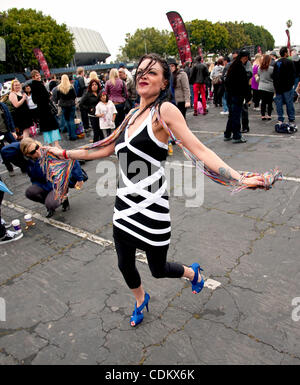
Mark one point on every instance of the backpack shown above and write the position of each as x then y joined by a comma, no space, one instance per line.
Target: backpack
77,88
284,128
200,108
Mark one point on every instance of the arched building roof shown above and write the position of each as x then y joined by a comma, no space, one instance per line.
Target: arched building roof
89,46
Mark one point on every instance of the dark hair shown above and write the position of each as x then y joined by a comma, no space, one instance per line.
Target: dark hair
199,59
164,94
220,62
236,62
91,83
283,51
265,63
101,94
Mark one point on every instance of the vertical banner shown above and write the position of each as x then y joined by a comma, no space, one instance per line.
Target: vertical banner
288,42
43,64
181,36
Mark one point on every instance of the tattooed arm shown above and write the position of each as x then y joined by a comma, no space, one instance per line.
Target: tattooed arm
174,119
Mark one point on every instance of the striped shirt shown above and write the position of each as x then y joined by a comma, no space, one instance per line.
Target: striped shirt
141,213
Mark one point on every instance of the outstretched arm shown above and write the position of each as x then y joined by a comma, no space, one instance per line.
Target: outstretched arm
83,154
175,121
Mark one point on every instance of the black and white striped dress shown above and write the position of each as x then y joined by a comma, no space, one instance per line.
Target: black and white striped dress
141,213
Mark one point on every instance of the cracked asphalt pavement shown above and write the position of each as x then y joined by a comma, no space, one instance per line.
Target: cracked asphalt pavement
67,303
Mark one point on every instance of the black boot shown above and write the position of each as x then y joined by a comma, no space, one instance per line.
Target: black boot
50,213
65,205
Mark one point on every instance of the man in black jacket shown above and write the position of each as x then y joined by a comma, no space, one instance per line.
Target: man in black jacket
284,79
237,87
199,74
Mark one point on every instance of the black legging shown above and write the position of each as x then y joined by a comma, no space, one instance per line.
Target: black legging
157,260
37,194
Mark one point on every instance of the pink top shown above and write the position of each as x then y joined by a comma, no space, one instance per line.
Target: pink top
254,84
116,93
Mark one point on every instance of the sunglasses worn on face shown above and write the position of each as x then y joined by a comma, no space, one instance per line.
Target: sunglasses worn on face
34,151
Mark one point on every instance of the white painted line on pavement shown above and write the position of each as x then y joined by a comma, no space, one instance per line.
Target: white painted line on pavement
141,257
248,134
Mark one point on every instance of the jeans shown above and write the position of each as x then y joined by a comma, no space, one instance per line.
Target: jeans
224,102
235,104
69,115
285,98
297,80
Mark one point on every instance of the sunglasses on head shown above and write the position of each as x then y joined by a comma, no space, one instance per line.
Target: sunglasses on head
34,151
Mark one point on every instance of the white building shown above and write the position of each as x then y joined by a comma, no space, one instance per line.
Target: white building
89,46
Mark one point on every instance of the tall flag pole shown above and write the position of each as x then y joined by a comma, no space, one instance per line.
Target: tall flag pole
288,42
181,36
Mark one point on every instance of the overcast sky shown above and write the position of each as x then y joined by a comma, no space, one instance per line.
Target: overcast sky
113,19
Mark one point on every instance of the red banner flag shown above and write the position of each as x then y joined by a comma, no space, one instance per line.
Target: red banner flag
288,42
181,36
259,49
43,64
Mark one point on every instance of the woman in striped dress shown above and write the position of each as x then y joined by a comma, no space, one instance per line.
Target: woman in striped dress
141,214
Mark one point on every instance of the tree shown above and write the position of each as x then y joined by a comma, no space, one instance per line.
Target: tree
210,37
26,29
145,41
259,36
237,36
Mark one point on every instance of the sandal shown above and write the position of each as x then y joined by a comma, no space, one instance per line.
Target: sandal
196,286
137,315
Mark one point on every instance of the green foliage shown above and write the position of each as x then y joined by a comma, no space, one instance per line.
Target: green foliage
210,37
26,29
237,36
259,36
145,41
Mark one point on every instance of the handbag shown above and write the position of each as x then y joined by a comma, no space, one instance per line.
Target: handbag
53,108
216,80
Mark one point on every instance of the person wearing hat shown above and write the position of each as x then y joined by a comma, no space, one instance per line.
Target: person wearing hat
181,87
274,57
237,87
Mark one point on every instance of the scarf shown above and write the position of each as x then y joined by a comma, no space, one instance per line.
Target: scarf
58,171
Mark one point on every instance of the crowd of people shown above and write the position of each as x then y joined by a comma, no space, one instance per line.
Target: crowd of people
148,108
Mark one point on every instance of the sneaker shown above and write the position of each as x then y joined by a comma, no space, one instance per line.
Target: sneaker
256,109
6,225
227,139
293,127
224,113
11,173
11,236
241,140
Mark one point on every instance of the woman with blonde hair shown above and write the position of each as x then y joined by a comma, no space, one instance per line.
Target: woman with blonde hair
117,92
21,114
41,190
254,81
65,98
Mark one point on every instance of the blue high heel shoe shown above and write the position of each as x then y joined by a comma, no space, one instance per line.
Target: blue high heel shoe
137,315
196,286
